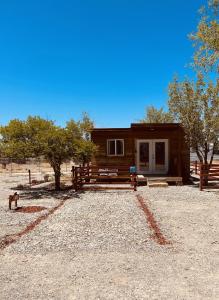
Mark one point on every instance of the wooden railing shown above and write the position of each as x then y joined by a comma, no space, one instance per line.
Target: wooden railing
206,175
103,175
195,167
209,175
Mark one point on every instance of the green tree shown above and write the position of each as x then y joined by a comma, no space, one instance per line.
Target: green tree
86,125
195,103
14,141
206,38
154,115
196,106
38,137
84,147
57,149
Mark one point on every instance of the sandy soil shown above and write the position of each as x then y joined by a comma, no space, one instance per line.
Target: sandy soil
102,245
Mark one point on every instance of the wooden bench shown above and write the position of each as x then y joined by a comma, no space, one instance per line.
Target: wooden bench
13,198
104,175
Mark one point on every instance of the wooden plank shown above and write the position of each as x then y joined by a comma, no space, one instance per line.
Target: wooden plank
168,178
210,172
111,167
105,177
106,188
211,187
107,182
104,172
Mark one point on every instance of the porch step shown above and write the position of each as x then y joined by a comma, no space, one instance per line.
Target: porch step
168,179
157,184
157,179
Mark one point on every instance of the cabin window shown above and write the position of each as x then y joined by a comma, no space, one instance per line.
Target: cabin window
115,147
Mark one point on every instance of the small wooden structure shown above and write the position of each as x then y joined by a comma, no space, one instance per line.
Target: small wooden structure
154,149
13,198
104,176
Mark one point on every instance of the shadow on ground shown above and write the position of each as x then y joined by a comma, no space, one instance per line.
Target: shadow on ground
30,193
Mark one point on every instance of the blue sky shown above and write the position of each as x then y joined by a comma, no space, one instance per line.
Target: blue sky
110,58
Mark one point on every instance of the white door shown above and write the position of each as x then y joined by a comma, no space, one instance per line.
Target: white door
152,156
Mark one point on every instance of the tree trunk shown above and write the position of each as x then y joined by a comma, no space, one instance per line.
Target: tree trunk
205,178
57,171
212,155
199,155
204,164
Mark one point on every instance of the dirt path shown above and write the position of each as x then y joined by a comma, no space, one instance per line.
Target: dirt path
98,245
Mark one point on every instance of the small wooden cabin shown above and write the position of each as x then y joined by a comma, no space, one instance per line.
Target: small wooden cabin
155,149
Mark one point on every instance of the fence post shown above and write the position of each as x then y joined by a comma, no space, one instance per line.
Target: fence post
73,171
29,173
135,182
87,173
196,167
76,180
201,177
73,174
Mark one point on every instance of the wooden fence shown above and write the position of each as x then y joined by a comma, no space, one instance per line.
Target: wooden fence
209,178
104,175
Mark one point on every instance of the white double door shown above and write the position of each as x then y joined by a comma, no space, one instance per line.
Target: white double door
152,156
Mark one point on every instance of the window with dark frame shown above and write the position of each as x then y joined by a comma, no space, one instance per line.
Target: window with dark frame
115,147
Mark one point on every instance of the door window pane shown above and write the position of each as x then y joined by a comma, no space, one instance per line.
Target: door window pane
144,156
159,156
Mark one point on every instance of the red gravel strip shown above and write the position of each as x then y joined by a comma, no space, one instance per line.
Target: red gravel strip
9,239
29,209
157,236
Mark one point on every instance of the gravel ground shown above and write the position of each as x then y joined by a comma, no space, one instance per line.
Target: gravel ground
12,222
98,245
